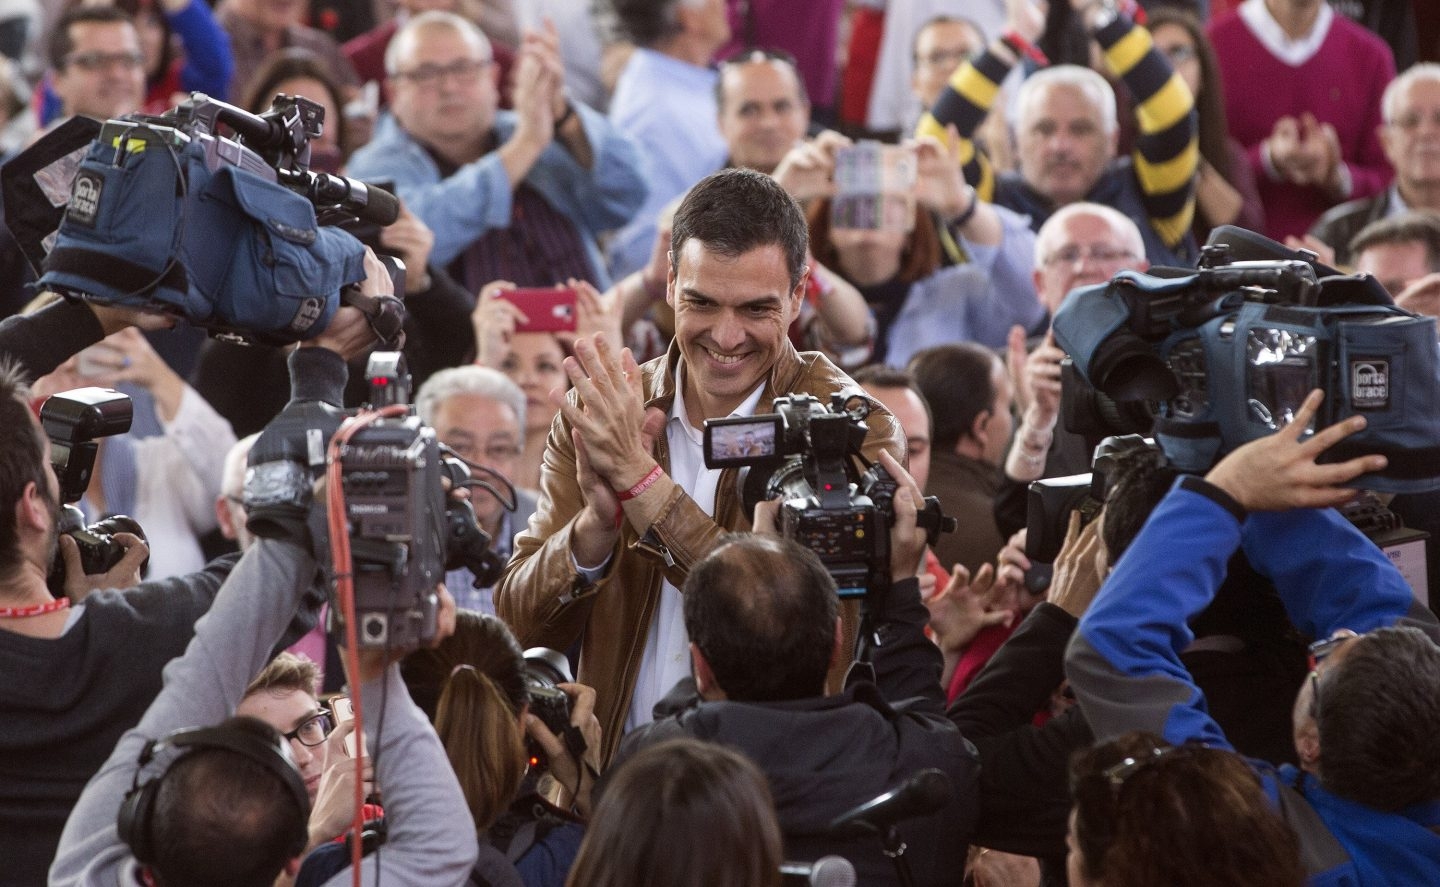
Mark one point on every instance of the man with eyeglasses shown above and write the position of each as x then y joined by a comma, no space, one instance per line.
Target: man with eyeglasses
941,45
480,414
283,696
511,195
1410,136
1366,805
97,66
1080,245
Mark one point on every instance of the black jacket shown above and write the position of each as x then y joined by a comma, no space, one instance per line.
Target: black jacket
823,756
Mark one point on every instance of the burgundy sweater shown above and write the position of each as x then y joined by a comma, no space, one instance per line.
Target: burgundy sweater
1341,85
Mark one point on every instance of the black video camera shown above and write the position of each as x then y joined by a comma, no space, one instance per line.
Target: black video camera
1051,501
1227,352
544,669
73,420
806,455
169,214
405,530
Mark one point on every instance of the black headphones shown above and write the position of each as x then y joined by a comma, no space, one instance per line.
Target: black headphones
273,753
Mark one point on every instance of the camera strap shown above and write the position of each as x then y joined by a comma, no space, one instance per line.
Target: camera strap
385,314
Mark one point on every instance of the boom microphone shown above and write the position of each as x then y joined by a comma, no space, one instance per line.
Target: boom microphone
920,795
827,871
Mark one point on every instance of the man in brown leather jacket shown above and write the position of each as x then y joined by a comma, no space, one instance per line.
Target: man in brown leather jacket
626,503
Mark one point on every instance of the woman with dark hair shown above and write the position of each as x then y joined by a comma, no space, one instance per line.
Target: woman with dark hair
300,72
683,813
1149,813
1225,190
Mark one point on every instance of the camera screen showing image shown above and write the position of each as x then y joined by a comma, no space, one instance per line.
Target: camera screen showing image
740,441
874,188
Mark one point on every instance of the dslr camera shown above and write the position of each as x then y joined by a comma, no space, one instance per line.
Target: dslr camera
73,420
405,529
833,501
544,669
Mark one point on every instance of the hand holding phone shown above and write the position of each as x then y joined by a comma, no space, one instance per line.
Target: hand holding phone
546,310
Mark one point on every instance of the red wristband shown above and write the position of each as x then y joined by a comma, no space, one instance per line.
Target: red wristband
1023,47
640,487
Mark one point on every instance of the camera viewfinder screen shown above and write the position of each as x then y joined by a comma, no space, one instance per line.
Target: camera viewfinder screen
739,441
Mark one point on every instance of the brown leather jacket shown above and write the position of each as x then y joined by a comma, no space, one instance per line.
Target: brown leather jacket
545,601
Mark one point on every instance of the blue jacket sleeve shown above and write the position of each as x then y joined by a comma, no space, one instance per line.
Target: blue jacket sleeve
208,62
1124,660
1328,575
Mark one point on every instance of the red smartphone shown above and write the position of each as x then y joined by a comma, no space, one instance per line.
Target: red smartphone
549,310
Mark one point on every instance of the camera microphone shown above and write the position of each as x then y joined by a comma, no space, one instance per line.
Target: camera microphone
827,871
920,795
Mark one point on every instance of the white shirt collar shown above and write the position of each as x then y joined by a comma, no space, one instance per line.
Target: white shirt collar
1268,31
678,413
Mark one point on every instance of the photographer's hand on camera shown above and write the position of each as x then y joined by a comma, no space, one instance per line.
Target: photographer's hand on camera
907,538
1080,567
613,436
125,573
413,240
576,776
349,333
807,171
1280,471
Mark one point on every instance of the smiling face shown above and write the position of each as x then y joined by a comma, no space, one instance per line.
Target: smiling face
732,315
104,74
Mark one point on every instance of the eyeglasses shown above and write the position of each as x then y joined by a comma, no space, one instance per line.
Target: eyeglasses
945,59
1410,121
1117,775
99,61
1100,255
464,70
1319,652
313,730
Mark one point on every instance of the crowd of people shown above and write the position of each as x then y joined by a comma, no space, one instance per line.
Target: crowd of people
620,220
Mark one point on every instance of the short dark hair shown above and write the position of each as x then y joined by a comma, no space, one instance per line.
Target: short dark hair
644,23
1190,815
62,43
878,375
22,461
1416,225
762,610
1140,479
1378,716
957,380
682,812
736,210
225,819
